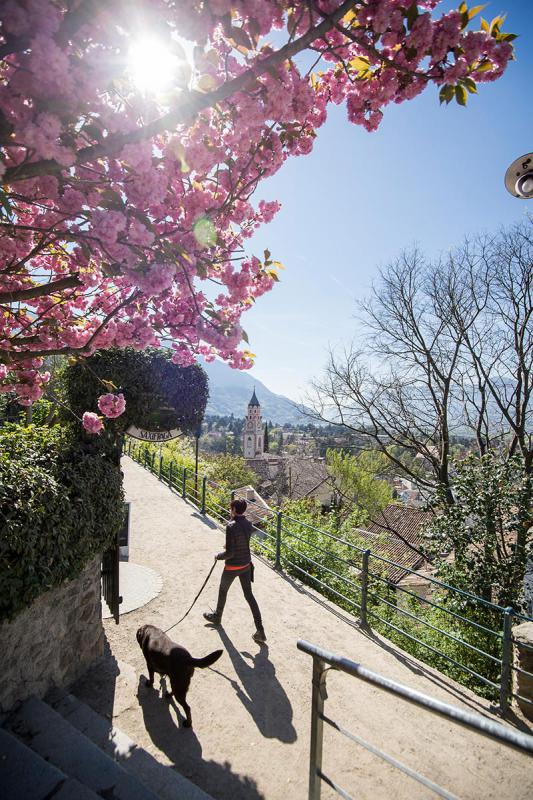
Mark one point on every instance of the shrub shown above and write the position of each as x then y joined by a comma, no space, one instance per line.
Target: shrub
158,393
60,505
231,471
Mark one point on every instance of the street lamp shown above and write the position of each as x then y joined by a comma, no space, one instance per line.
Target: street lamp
519,177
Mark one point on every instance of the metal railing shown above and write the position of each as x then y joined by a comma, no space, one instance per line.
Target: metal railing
463,635
323,661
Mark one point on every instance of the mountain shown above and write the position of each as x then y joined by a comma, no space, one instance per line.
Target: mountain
230,391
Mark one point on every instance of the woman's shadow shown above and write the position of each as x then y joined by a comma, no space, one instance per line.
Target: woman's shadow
260,691
182,747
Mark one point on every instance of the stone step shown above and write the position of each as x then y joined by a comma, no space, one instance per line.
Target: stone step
24,775
46,732
163,780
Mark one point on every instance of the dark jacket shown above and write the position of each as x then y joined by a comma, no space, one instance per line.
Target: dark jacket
237,552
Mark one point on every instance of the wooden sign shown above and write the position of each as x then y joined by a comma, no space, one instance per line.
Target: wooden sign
153,436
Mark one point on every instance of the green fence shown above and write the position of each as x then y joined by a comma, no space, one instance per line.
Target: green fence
462,635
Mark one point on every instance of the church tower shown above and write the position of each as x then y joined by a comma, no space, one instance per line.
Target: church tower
252,445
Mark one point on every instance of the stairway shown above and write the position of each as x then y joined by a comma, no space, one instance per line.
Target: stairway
63,750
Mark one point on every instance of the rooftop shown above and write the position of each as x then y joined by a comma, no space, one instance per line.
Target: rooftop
396,534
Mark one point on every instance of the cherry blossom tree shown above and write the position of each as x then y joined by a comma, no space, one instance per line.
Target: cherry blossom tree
134,134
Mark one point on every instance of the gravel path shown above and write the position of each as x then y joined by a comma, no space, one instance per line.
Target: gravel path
251,711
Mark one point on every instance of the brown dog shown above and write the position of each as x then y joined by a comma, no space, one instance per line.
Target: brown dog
167,658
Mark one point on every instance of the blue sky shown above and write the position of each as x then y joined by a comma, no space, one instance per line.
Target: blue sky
431,174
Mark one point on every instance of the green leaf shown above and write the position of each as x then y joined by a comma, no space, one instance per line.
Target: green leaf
470,85
206,83
475,10
412,15
461,95
446,94
359,63
110,198
240,38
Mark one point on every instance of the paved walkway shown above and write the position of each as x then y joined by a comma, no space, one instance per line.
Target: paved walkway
251,711
138,585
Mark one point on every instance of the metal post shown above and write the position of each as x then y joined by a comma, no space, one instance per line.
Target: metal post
153,462
277,564
197,438
170,468
160,466
204,487
184,483
364,589
317,725
507,655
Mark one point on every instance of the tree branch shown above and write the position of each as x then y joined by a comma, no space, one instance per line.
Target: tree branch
188,108
42,290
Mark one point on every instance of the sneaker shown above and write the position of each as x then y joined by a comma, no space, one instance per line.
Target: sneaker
213,617
259,636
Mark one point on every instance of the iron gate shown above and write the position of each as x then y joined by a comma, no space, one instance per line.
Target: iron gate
110,577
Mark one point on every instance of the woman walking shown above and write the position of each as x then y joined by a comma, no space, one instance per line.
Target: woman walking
238,565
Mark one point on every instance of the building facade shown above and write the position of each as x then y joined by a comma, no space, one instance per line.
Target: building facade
252,445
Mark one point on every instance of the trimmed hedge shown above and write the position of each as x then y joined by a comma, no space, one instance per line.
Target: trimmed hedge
158,393
60,505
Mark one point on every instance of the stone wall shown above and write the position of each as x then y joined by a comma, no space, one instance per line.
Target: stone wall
54,641
523,655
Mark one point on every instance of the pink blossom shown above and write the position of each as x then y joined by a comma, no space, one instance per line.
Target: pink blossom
112,405
92,423
111,210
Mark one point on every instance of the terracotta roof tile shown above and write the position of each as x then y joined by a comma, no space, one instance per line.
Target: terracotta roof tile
396,534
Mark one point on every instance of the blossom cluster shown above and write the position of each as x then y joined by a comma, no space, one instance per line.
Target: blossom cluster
92,423
120,206
112,405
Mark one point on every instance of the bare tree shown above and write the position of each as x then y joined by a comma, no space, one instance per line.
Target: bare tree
498,338
398,392
448,351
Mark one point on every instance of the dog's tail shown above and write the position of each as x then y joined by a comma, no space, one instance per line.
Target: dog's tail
206,661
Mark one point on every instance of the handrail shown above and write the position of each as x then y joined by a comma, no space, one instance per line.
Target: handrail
211,498
447,586
323,660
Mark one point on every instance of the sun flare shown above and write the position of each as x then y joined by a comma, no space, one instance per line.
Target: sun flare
154,68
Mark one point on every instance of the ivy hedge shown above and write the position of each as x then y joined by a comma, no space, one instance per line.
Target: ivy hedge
60,505
159,394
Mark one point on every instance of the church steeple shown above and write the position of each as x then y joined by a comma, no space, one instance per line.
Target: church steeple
253,442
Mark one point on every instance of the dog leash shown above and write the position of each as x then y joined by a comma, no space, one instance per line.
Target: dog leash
204,584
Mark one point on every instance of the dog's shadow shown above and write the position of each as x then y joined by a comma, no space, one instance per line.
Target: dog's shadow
260,691
163,721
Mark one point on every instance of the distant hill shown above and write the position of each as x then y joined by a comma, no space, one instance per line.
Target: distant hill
230,391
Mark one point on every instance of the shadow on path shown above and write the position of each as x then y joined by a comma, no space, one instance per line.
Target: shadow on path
205,520
260,691
183,748
411,663
97,686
